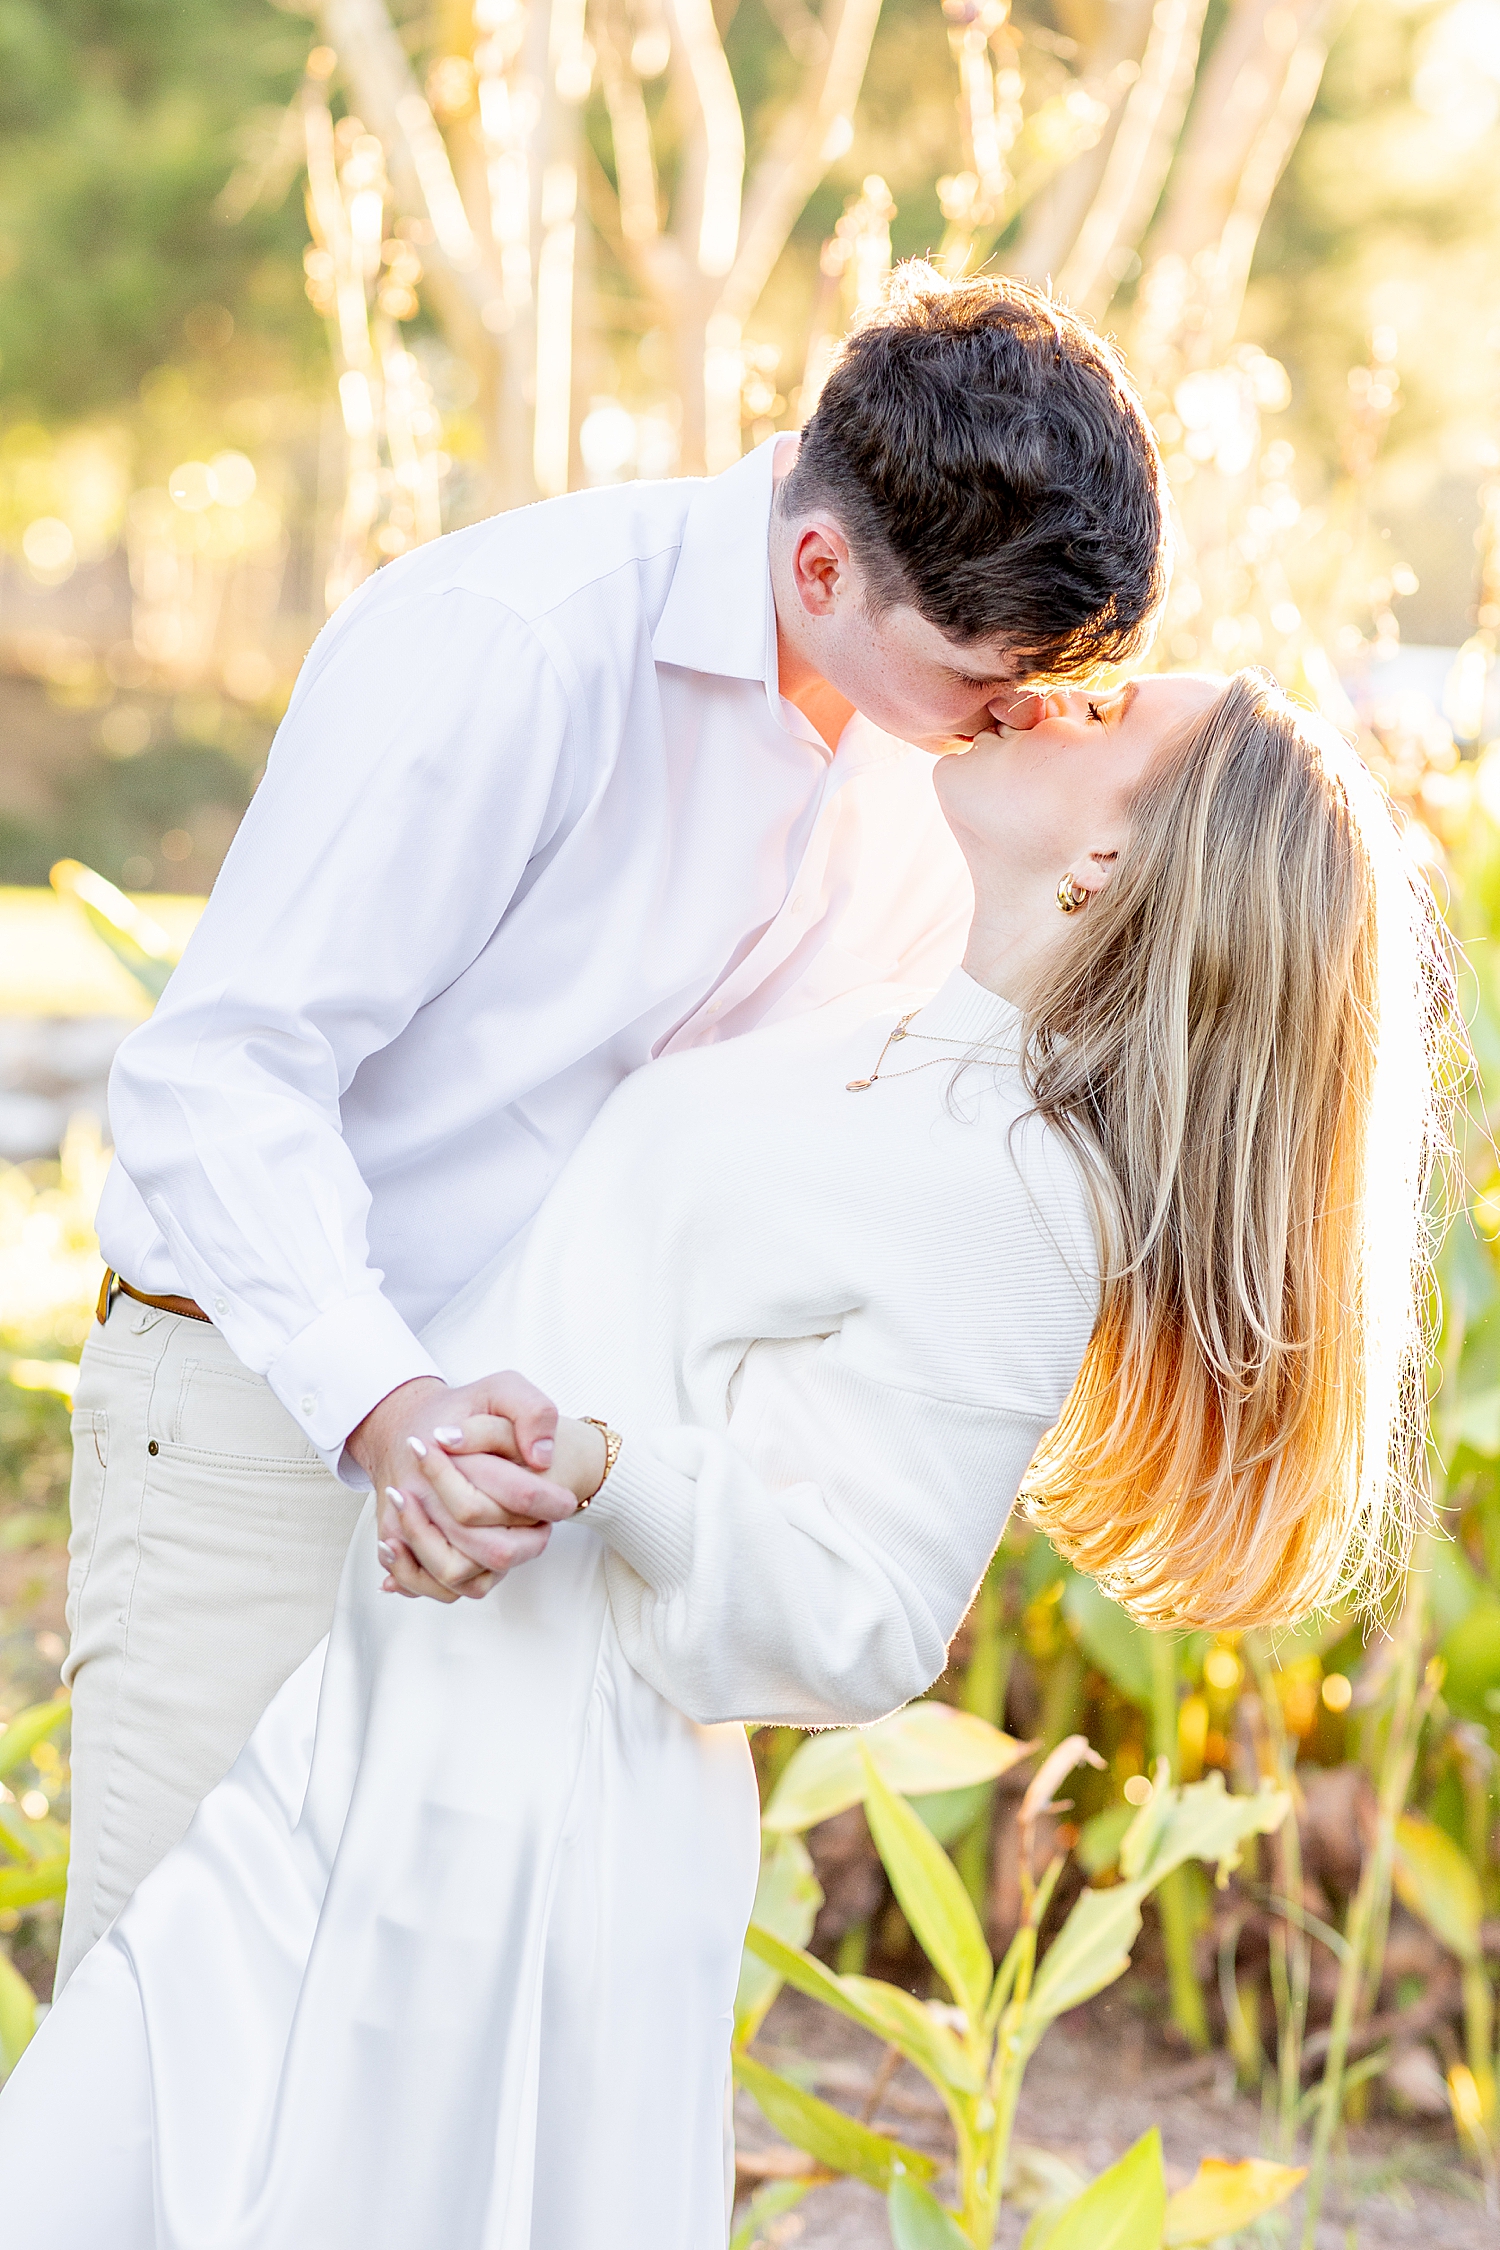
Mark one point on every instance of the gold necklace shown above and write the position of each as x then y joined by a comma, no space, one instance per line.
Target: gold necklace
902,1031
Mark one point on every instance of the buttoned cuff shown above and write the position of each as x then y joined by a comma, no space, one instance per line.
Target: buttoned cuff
644,1512
342,1364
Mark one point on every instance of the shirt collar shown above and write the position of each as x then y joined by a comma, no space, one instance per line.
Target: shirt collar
719,616
969,1014
718,612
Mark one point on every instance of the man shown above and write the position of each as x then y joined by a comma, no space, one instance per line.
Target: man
626,772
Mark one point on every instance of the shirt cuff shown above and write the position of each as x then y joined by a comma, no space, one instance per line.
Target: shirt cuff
339,1366
644,1512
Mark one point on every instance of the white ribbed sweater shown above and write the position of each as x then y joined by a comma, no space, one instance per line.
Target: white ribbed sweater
831,1327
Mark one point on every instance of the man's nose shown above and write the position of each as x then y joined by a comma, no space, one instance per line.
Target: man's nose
1022,711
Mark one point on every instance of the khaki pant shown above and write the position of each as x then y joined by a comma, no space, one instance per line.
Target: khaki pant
207,1544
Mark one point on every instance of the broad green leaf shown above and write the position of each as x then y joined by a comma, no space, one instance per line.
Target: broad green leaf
923,1751
1036,2179
805,1973
26,1730
27,1839
1201,1821
952,1812
910,2024
1471,1652
931,1894
787,1898
919,2222
17,2014
1435,1881
1090,1950
838,2141
1113,1643
1098,1846
766,2204
131,935
1124,2209
883,2009
24,1886
1224,2197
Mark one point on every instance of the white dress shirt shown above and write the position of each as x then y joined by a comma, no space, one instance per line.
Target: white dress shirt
537,812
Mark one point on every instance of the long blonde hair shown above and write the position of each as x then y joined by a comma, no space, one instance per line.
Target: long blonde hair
1245,1046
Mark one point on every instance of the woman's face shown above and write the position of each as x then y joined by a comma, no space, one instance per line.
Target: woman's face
1031,805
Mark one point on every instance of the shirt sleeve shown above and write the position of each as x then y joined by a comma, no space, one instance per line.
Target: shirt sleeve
421,762
810,1566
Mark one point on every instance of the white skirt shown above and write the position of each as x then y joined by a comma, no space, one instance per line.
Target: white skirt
446,1962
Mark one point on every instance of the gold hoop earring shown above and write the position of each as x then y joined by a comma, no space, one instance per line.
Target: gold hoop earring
1070,896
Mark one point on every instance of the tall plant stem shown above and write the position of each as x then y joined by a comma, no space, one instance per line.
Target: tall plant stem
1291,1951
1173,1898
985,1684
1411,1700
1005,2080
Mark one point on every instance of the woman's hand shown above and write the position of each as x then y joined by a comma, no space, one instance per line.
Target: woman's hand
441,1536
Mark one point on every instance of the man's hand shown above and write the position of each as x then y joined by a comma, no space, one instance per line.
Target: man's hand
509,1429
422,1558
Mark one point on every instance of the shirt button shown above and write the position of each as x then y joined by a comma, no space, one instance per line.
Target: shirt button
308,1403
219,1305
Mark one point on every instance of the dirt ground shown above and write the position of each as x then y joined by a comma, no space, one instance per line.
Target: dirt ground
1099,2080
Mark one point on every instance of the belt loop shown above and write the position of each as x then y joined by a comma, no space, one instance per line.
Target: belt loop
106,1295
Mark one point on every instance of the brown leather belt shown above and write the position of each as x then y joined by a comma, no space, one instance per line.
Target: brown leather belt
184,1306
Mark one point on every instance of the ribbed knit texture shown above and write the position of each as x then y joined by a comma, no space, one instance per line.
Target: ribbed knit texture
831,1328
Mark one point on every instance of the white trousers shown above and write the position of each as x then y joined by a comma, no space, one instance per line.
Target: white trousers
205,1555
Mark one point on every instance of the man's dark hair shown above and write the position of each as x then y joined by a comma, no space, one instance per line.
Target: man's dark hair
991,464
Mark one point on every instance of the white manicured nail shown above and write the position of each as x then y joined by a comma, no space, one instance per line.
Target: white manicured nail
394,1498
418,1448
448,1435
386,1554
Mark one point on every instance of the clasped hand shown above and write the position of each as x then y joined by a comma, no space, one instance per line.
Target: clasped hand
470,1480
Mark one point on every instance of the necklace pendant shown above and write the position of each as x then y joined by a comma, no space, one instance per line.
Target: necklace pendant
859,1085
900,1032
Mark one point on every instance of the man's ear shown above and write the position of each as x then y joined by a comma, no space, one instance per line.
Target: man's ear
821,567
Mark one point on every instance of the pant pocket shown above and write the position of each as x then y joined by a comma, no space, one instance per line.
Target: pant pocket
90,1427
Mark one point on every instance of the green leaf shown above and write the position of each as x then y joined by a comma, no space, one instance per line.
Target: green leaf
787,1898
27,1839
24,1886
1090,1950
1201,1821
132,937
1471,1653
931,1894
837,2141
766,2204
17,2014
908,2023
881,2009
1124,2209
1099,1841
925,1750
27,1729
1222,2198
1113,1643
951,1813
919,2222
1435,1881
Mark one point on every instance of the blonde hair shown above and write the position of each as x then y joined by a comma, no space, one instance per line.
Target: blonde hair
1245,1048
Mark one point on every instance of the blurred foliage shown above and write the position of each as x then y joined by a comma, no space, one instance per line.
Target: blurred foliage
119,126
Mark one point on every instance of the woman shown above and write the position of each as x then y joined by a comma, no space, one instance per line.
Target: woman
449,1957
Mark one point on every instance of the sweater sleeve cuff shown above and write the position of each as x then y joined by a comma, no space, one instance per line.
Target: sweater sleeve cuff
343,1363
644,1512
